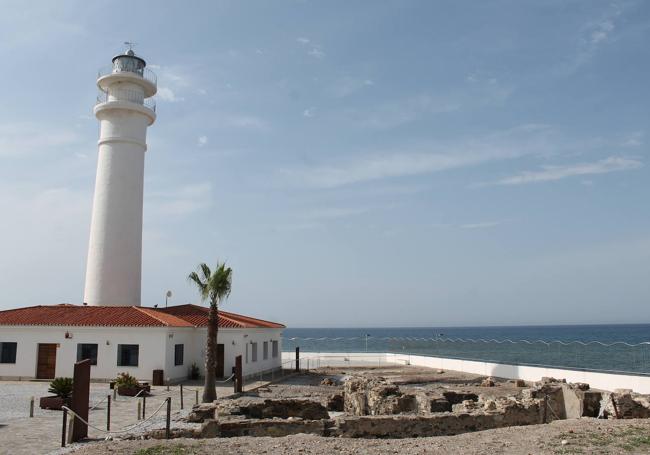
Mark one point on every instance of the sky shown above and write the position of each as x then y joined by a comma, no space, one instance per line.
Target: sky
365,163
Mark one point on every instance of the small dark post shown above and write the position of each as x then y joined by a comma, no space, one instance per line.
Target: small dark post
297,359
238,382
80,399
63,428
31,407
108,413
144,405
169,413
181,396
545,406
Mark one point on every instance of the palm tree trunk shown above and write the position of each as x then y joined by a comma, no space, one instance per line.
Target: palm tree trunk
209,387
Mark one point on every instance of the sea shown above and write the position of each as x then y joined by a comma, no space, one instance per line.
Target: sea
616,348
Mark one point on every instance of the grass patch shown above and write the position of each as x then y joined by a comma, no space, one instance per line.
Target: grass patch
165,450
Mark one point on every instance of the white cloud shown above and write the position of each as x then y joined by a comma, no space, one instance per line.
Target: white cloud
243,121
303,40
514,143
602,31
203,140
309,112
482,225
316,52
180,201
26,138
167,94
551,173
633,140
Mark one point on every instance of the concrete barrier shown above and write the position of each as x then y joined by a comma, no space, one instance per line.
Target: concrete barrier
598,380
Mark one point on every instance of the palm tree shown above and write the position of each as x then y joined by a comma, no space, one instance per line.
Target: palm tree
215,287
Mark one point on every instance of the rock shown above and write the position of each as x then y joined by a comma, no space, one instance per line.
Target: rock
441,371
439,405
519,383
329,382
580,386
564,442
202,412
490,405
336,403
487,382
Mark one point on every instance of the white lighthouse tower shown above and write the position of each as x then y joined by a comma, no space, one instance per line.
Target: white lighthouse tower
124,110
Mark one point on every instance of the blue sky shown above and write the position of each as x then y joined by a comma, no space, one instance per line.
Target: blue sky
395,163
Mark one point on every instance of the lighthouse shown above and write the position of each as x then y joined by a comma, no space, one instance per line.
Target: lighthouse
125,110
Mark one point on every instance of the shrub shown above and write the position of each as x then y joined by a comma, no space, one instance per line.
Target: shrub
126,380
61,387
193,372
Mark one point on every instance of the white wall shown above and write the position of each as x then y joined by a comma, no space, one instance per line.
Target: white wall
156,350
235,342
151,354
604,381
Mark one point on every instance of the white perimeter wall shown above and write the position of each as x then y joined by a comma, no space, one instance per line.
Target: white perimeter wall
156,350
604,381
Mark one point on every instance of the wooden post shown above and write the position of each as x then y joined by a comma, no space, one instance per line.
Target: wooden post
31,407
115,392
80,399
63,428
196,396
181,396
238,382
139,409
169,413
297,359
144,406
108,413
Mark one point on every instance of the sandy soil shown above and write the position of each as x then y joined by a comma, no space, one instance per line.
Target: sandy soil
584,436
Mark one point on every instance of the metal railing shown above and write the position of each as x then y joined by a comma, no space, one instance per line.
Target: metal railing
132,96
144,73
611,357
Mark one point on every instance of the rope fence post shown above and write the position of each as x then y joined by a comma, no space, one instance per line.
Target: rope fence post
108,413
31,407
169,413
144,405
181,396
63,427
139,409
196,396
114,392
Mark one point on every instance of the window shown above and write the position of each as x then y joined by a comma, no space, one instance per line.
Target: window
254,351
87,351
265,350
178,354
8,352
127,355
274,348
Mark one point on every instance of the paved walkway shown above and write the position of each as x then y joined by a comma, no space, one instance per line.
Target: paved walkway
20,434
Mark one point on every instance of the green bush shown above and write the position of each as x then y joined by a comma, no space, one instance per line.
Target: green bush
61,387
126,380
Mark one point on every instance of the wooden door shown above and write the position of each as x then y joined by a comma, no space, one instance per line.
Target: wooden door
220,357
46,365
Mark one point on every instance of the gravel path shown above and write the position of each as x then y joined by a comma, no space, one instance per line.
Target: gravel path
584,436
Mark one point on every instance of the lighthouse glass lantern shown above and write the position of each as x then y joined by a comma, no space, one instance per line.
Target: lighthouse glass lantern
128,62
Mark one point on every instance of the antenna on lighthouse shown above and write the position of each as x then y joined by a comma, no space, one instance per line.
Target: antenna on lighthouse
131,45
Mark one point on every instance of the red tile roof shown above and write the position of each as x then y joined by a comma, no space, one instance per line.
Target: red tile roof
132,316
198,316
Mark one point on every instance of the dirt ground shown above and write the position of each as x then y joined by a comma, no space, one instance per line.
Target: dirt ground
583,436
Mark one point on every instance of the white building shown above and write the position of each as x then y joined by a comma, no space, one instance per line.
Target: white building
44,342
111,328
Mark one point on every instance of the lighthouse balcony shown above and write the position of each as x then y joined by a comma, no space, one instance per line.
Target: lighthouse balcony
144,73
125,95
141,76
